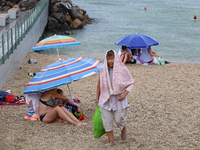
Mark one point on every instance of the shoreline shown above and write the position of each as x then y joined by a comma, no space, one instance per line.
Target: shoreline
164,110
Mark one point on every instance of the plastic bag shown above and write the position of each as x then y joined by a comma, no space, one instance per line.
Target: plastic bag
98,124
160,61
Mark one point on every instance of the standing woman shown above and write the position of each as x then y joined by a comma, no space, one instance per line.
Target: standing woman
48,113
114,84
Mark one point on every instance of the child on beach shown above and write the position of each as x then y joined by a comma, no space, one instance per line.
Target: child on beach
114,84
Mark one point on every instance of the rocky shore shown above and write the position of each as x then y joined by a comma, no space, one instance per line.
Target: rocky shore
63,14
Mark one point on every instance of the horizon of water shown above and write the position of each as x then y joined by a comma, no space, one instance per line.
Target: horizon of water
169,22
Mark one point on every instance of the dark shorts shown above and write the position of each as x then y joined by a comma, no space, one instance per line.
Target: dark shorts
42,116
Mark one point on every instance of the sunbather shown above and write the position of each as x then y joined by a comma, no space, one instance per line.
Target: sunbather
48,113
125,54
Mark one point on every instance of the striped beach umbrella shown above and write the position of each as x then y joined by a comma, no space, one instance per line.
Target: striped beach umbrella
55,42
61,73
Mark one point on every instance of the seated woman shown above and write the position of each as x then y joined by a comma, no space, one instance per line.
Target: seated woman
125,54
147,56
48,113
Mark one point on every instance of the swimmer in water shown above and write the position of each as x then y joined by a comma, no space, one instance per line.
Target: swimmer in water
195,18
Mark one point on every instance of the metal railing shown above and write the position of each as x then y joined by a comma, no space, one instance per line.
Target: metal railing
10,39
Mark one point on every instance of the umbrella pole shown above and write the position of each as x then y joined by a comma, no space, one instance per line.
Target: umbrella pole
58,54
70,92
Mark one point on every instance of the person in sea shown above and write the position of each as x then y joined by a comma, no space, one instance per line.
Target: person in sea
48,113
114,83
195,18
125,54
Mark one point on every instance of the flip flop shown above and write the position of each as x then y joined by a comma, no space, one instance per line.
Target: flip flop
109,144
123,136
22,98
17,98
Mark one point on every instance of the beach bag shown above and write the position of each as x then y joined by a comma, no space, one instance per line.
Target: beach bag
98,124
160,61
10,98
75,111
71,107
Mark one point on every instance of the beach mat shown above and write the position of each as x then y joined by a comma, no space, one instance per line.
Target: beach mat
15,103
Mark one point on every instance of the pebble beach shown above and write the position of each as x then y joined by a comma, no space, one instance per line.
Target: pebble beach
164,112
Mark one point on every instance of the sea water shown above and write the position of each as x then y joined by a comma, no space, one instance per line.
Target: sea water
168,21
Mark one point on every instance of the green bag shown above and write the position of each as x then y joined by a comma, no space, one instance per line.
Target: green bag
160,61
98,124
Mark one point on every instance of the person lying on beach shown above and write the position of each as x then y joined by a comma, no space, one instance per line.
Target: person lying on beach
114,83
125,54
48,113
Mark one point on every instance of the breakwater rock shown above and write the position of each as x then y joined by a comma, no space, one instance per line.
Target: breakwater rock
63,14
5,5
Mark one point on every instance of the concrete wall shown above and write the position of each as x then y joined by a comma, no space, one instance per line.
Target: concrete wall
15,59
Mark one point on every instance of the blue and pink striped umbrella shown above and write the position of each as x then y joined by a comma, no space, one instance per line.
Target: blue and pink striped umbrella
55,42
61,73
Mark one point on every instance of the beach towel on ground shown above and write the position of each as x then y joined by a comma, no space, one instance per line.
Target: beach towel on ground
122,79
15,103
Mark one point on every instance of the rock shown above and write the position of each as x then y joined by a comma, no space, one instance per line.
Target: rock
69,19
3,3
16,6
31,4
67,2
83,12
66,33
10,4
56,7
52,23
6,8
64,27
59,27
17,1
60,17
23,3
28,4
54,1
75,13
88,20
64,8
76,24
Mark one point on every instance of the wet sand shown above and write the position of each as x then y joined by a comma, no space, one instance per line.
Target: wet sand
164,112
